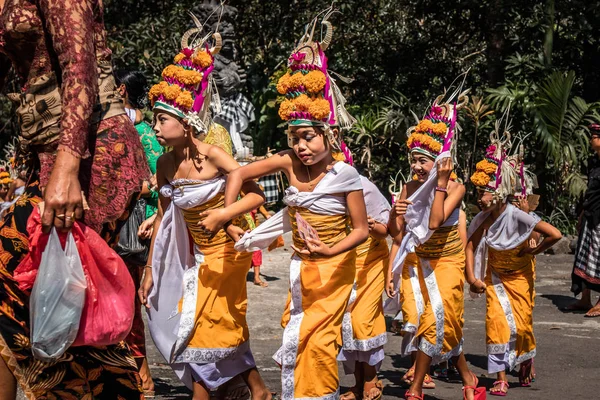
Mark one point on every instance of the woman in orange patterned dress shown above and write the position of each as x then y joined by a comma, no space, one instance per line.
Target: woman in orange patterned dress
75,132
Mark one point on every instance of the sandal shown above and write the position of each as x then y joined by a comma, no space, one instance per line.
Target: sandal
352,394
478,393
500,388
409,376
378,385
149,394
409,396
525,373
261,284
428,383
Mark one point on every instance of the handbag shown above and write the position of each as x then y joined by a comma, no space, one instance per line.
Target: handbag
130,247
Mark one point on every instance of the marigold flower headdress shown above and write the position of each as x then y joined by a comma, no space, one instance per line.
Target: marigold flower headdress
495,173
434,133
312,97
187,86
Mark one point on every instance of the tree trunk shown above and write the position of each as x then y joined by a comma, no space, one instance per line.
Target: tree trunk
549,37
494,37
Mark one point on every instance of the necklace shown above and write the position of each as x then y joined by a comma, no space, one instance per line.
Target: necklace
310,183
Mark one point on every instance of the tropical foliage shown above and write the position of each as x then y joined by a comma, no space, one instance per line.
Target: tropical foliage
539,57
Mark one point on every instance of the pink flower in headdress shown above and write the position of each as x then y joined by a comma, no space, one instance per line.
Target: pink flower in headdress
187,52
347,153
437,110
297,57
490,150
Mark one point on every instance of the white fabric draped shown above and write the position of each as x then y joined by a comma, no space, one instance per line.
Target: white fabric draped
416,218
342,178
378,207
172,262
511,229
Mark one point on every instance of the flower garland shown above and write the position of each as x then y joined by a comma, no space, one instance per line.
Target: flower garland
312,82
480,179
315,107
429,135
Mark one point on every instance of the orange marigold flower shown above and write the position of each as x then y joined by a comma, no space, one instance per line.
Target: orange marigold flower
319,109
302,102
480,178
189,77
439,129
170,71
295,80
424,125
156,90
314,81
285,109
202,58
435,146
185,100
178,58
486,166
284,83
453,176
171,92
337,156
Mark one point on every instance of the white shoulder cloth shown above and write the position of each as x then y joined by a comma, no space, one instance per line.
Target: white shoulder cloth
416,218
342,178
171,259
511,229
378,207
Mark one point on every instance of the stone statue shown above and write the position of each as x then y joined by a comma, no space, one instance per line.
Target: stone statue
236,111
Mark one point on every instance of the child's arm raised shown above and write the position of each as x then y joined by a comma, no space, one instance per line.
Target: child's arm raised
448,195
360,229
396,222
253,198
235,180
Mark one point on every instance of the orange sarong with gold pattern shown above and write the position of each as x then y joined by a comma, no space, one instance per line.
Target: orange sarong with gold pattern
509,308
442,277
320,289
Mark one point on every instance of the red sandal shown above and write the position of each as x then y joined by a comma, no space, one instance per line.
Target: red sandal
409,396
526,372
499,391
478,393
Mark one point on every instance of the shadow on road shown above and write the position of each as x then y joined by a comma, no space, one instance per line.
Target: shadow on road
165,389
250,277
562,301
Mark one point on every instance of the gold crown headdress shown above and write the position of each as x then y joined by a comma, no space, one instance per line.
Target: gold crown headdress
312,97
496,173
187,86
435,133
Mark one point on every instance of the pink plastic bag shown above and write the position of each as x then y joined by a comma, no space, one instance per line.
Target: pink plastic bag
109,302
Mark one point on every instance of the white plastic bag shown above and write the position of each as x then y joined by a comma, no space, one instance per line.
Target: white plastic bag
57,299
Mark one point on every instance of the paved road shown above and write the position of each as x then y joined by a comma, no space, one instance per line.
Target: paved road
568,345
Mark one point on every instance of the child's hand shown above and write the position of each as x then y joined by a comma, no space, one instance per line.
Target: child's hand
526,250
146,228
235,232
314,247
390,290
478,286
401,206
371,223
212,220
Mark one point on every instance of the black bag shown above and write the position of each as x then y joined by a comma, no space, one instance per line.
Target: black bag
130,247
